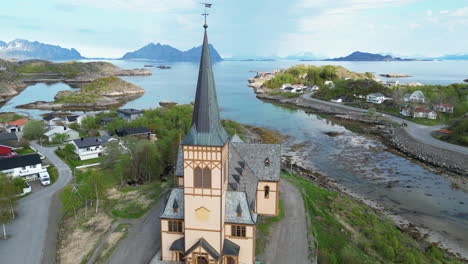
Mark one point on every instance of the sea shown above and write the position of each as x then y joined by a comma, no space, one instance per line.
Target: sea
426,197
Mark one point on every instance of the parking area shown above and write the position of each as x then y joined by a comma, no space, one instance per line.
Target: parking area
36,186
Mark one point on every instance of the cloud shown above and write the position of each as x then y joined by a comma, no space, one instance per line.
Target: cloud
462,12
444,11
135,5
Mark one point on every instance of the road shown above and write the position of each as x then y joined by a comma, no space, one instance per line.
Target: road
33,233
417,131
289,241
143,239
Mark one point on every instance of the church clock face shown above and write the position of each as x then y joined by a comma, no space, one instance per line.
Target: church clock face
202,213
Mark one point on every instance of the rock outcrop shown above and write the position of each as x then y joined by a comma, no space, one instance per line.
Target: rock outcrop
394,75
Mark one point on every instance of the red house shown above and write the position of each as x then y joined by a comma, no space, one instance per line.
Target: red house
6,152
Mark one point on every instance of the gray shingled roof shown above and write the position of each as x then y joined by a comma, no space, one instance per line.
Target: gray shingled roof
178,245
241,177
206,127
206,246
20,161
90,141
129,111
168,213
255,155
233,200
230,248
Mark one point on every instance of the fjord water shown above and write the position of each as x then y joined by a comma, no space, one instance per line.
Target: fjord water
360,163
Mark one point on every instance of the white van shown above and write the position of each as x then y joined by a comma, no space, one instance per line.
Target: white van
44,178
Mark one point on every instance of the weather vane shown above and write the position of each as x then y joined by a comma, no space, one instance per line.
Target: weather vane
206,13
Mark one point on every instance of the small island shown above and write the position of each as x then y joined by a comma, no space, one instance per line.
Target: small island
99,94
394,75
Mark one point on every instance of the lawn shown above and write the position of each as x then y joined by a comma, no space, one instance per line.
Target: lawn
24,151
348,231
72,159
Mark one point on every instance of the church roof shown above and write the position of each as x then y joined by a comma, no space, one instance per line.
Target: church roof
206,246
235,200
206,127
178,245
230,248
176,196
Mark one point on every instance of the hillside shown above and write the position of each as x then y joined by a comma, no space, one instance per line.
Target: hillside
24,49
364,56
169,53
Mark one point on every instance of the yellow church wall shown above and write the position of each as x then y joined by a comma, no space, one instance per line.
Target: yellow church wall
267,205
247,244
167,238
212,237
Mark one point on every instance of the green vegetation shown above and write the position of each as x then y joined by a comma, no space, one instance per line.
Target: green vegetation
10,117
72,159
265,226
71,69
24,151
459,133
33,129
8,191
310,75
53,173
350,232
349,88
284,94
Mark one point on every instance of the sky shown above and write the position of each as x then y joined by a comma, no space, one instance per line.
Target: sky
244,28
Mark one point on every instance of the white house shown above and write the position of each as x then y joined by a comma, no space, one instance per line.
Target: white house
392,83
70,119
376,98
51,120
80,118
329,83
443,108
424,112
129,114
70,133
16,126
90,148
406,111
416,96
25,166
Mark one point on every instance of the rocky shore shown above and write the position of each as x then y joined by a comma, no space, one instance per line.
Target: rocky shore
394,75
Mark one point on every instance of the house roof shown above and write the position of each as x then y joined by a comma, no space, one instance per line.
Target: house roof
177,194
230,248
417,94
178,245
206,246
444,131
19,122
8,137
132,131
71,118
58,130
107,118
377,94
235,199
20,161
48,117
129,111
90,141
206,129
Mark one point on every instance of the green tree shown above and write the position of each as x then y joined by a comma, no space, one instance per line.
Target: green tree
90,122
112,152
94,187
70,199
371,112
69,148
7,200
59,138
34,129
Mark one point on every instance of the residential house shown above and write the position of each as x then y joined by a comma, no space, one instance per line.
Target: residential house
70,119
329,83
104,121
69,133
406,111
417,97
16,126
392,83
223,184
443,108
52,120
129,114
313,88
8,139
79,119
6,151
424,112
376,98
142,132
92,147
26,166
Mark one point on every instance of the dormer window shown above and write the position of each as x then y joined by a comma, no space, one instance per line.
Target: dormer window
175,206
239,210
267,192
267,162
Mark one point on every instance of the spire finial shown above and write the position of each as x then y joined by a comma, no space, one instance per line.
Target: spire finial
206,13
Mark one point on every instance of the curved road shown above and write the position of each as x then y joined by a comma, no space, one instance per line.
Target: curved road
33,232
419,132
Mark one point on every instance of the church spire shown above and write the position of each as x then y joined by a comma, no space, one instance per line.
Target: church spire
206,127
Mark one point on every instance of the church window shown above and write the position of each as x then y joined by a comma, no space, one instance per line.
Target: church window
267,191
267,162
175,226
206,177
238,231
231,260
197,177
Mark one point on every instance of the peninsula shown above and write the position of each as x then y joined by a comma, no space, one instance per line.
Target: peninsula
15,76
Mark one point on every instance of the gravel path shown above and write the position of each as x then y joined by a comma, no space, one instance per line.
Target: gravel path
417,131
34,232
289,241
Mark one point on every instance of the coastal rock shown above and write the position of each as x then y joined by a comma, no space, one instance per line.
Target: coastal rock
412,84
394,75
466,80
167,103
100,104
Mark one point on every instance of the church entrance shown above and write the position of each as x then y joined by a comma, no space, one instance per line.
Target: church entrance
202,260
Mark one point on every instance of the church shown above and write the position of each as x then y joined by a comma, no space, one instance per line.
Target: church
222,185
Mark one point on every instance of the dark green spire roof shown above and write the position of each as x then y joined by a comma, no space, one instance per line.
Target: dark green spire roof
206,127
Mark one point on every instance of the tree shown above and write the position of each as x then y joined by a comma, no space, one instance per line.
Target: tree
34,129
111,154
397,96
94,187
90,122
59,138
70,199
7,200
371,112
69,148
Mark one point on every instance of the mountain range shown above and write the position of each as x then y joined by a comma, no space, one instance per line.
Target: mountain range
364,56
168,53
24,49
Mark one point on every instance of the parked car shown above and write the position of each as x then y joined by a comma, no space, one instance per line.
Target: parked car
44,178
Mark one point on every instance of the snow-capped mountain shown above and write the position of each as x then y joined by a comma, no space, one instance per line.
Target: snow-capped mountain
24,49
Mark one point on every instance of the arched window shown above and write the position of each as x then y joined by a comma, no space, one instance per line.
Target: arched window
206,177
197,177
231,260
267,191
